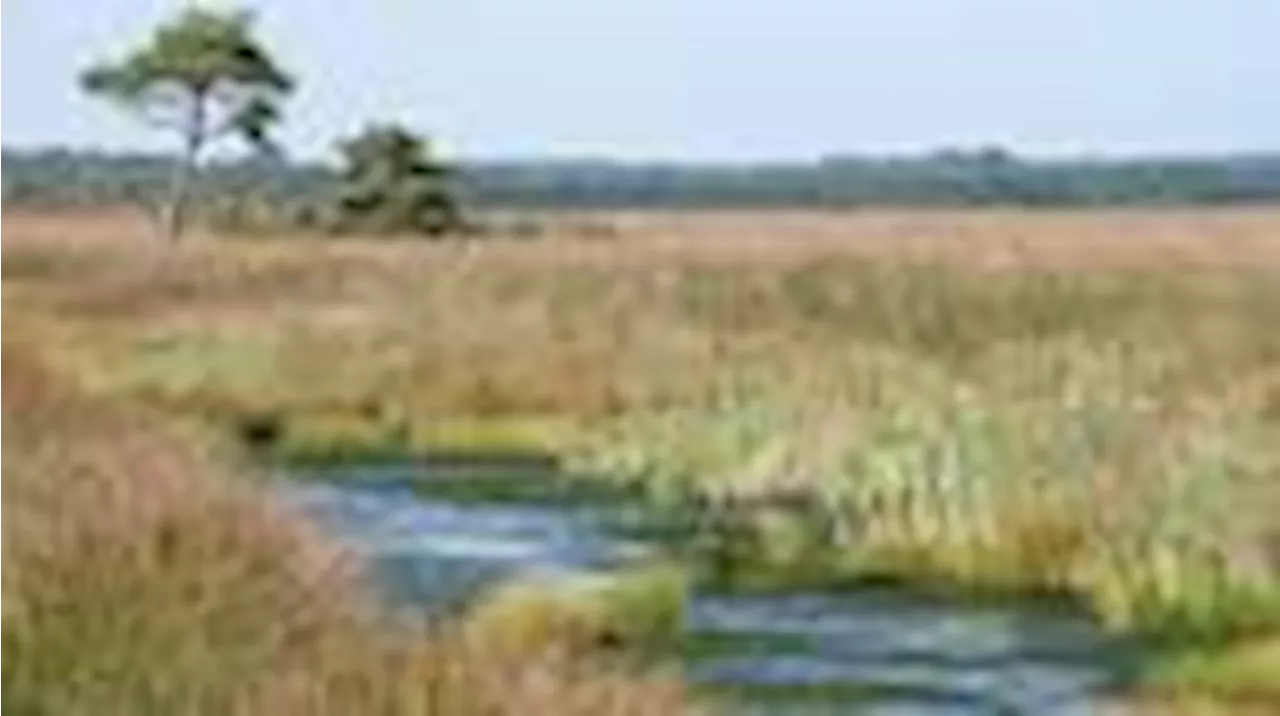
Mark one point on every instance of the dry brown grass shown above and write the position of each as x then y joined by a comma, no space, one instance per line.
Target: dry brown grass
988,333
385,337
143,577
1236,236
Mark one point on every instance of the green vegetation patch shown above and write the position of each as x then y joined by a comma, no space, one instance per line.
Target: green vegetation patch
640,608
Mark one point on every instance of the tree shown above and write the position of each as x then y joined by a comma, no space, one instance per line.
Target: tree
391,182
204,75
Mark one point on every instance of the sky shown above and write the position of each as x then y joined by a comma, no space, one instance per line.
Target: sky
707,79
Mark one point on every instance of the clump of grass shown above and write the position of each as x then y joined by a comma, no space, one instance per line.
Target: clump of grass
1159,524
1247,669
510,433
639,608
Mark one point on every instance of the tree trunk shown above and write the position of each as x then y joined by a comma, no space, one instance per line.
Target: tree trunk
173,214
173,218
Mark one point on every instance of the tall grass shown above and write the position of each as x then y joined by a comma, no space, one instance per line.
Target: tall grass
141,578
1087,404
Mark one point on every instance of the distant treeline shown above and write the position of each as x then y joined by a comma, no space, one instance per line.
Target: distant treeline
61,178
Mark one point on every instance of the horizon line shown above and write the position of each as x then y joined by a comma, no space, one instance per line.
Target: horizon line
623,159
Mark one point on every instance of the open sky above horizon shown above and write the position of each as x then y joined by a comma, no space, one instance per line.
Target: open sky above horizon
709,79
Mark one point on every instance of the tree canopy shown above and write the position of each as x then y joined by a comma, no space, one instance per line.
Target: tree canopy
204,75
390,182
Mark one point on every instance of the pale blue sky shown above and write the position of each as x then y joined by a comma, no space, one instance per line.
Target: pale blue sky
729,79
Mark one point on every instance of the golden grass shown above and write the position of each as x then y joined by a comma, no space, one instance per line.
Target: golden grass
141,577
635,609
1083,401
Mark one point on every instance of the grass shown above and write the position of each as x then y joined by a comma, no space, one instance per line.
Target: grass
639,609
143,577
1080,403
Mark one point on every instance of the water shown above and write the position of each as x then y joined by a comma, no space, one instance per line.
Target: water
872,651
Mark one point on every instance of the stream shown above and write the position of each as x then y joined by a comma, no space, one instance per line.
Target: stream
866,650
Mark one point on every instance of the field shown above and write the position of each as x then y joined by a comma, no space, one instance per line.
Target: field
1085,404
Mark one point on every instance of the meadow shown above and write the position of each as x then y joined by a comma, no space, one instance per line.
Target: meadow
1007,403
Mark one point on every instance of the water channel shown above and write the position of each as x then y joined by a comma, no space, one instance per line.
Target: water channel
866,650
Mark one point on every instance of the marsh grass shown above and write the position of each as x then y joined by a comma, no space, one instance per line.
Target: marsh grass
1085,404
639,609
142,578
